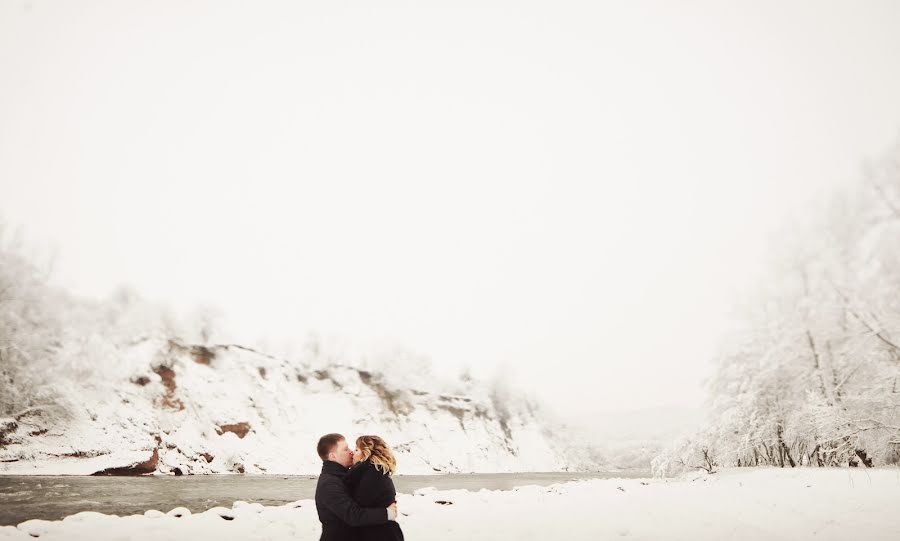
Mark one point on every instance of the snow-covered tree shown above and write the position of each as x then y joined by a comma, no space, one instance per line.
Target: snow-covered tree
812,376
32,317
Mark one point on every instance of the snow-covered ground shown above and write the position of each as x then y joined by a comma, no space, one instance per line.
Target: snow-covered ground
786,504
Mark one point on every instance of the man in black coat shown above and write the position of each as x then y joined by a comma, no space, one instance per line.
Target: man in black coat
338,513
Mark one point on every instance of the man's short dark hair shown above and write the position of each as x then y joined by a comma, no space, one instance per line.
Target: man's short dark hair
327,444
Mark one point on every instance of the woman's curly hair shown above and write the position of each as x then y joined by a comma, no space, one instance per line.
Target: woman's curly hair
377,450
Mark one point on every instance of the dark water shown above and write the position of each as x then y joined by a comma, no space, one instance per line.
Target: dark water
54,497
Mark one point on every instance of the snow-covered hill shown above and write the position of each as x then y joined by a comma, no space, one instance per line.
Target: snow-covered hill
168,407
125,386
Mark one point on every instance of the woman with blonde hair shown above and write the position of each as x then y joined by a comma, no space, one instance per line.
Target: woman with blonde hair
369,483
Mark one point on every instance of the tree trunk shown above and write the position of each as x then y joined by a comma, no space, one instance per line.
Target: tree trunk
867,460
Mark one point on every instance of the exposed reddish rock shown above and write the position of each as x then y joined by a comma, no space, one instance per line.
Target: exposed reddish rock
208,457
168,377
141,468
173,403
168,380
140,380
262,372
202,355
239,468
240,429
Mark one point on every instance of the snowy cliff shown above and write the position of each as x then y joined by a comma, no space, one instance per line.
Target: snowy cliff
124,386
168,407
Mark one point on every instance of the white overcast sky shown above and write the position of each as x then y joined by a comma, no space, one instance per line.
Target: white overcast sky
576,190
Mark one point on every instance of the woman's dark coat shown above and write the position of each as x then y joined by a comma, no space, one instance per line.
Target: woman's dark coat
369,487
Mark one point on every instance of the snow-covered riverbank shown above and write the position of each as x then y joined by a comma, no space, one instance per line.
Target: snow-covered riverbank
734,504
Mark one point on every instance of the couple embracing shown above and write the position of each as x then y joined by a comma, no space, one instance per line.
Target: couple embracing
355,496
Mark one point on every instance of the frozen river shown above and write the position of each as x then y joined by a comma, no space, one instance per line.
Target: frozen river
54,497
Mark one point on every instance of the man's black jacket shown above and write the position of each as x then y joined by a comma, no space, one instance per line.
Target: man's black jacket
338,513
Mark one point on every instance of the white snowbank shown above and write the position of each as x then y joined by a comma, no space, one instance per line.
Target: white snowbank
734,504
